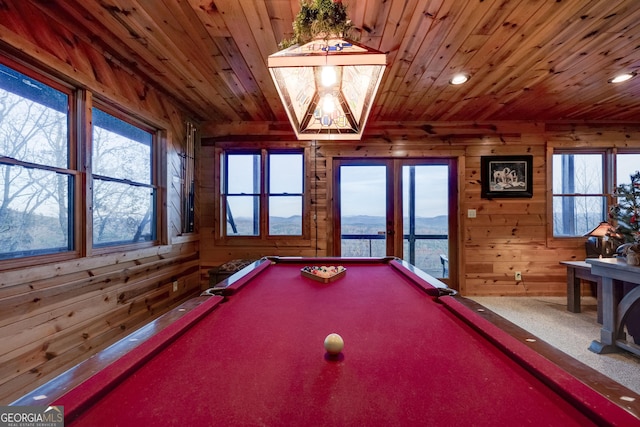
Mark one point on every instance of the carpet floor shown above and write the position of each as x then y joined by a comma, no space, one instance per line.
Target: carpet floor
572,333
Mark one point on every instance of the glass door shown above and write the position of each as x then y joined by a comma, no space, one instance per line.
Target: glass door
425,217
364,202
398,207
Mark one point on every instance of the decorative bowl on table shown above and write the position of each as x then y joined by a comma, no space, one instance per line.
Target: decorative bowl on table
324,274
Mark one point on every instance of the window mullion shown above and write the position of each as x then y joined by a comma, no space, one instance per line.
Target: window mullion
82,144
264,193
609,183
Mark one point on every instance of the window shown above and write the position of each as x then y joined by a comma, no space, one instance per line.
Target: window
123,187
582,184
626,165
285,194
253,201
43,210
36,184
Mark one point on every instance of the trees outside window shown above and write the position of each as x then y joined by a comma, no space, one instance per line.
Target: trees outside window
40,189
123,190
583,185
36,182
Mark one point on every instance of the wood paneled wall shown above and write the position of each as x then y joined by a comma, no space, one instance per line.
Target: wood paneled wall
54,315
507,235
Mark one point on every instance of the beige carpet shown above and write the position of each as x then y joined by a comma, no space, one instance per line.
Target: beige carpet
572,333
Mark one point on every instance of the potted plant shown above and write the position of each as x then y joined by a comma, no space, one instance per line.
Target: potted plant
319,19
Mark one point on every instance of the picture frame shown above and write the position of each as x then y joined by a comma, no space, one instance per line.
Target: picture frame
506,176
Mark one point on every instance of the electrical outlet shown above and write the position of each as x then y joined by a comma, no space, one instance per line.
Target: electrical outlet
518,276
175,286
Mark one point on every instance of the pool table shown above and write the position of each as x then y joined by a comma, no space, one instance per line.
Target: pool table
252,354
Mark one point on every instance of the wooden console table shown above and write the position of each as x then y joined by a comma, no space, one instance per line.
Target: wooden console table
576,272
617,308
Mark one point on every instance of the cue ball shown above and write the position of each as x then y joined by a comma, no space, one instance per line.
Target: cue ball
333,343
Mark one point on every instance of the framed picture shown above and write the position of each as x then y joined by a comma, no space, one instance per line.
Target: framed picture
506,176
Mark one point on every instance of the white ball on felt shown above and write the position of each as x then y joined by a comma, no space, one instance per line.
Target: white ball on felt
333,343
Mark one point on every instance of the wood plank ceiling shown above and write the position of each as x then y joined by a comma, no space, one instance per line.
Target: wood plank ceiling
528,59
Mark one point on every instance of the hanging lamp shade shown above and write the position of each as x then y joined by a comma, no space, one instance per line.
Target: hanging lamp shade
327,87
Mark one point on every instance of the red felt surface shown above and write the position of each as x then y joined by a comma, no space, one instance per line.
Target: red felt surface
258,359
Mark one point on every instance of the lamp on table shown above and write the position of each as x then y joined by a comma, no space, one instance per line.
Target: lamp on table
601,241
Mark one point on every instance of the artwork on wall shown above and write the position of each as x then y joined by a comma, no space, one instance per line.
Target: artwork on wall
506,176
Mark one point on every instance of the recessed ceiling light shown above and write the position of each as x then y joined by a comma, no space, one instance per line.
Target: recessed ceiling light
622,77
458,79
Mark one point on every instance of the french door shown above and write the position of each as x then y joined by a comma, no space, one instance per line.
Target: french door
402,208
365,205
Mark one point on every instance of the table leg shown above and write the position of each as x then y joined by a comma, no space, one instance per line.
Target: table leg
573,291
599,299
610,298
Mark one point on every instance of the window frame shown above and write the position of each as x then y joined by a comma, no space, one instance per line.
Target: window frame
79,142
71,170
263,238
609,178
269,194
154,183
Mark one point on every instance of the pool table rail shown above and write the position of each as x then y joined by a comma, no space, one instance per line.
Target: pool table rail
232,284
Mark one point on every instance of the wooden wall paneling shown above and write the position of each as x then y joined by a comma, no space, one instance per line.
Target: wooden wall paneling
510,226
457,277
42,299
209,177
396,132
74,319
49,272
175,161
323,236
54,314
